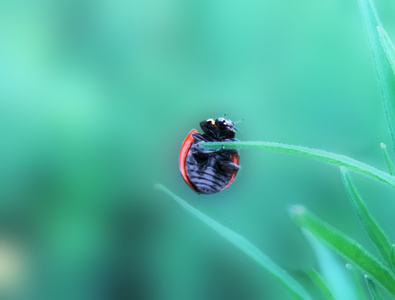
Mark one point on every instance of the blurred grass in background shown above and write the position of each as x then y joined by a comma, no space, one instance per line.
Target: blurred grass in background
96,98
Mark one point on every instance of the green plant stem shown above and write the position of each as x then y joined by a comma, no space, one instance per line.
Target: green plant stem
392,256
345,246
382,64
357,281
376,234
320,283
388,161
333,158
374,293
334,273
246,246
387,46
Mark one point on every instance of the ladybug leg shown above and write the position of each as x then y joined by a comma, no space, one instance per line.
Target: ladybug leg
205,151
228,166
200,138
232,151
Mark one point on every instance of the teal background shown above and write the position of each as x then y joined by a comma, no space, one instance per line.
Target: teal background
96,98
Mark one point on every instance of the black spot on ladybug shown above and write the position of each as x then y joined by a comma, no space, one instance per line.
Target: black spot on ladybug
209,171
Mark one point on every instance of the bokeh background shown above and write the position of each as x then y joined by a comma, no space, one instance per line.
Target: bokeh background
96,98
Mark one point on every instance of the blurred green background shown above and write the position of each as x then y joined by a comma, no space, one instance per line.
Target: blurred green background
96,98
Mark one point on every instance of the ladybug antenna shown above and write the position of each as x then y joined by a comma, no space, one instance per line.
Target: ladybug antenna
239,121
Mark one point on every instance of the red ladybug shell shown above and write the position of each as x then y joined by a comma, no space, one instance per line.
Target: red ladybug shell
209,172
186,145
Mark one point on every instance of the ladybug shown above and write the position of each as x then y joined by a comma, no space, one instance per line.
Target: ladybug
209,171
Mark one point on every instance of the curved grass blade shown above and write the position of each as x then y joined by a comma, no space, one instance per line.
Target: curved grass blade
388,161
383,67
333,158
345,246
320,283
357,281
387,46
379,239
333,271
374,293
392,255
246,246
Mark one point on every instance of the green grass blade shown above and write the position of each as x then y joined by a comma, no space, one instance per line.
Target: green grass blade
388,161
320,283
333,271
345,246
374,293
374,231
382,64
357,281
244,245
333,158
393,255
387,46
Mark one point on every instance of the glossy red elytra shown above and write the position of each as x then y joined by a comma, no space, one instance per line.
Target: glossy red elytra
209,171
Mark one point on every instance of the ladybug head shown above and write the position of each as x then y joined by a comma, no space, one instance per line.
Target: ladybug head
219,129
